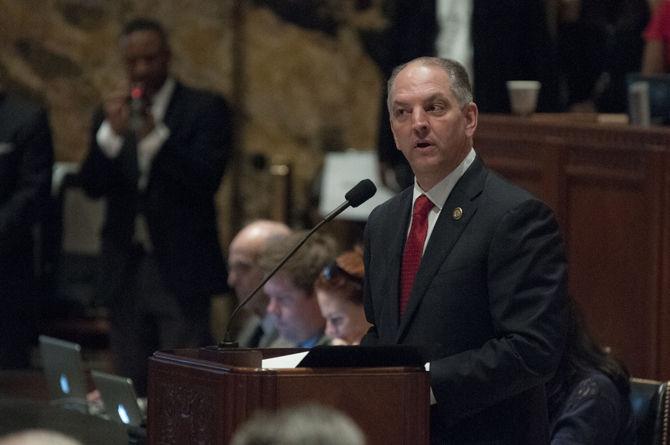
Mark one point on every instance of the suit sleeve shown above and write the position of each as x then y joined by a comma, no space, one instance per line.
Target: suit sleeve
527,293
99,174
34,183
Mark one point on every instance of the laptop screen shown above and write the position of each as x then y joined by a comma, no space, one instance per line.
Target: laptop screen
119,397
63,369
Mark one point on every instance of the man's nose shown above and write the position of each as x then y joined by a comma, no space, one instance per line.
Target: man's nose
139,70
272,307
330,330
419,120
232,277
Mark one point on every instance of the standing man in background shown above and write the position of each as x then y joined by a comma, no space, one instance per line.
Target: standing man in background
467,266
258,329
496,41
26,162
158,152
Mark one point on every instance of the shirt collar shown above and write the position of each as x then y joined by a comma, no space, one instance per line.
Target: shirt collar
161,99
310,342
268,323
440,192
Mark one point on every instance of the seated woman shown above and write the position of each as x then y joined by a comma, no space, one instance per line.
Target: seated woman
588,398
339,290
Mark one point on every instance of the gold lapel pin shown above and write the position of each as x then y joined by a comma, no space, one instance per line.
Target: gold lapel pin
457,213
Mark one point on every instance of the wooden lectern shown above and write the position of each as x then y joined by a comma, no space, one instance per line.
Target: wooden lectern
201,396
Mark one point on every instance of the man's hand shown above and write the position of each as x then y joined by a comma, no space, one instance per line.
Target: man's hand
117,110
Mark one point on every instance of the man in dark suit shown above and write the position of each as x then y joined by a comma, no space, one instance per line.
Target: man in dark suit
26,161
486,297
157,156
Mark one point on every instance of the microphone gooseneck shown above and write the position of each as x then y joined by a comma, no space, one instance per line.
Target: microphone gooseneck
360,193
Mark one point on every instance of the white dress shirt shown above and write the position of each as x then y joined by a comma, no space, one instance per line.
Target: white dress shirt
440,192
110,143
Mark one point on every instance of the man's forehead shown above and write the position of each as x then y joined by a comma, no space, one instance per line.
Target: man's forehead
145,40
421,79
241,256
283,283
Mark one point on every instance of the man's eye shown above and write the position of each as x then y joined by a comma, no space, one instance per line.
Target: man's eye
400,112
435,108
240,267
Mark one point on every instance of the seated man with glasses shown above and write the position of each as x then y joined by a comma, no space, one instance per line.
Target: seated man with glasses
292,300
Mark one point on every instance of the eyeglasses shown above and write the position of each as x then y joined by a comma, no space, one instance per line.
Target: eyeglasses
332,270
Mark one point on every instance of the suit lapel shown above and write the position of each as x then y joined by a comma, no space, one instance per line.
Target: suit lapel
448,229
172,116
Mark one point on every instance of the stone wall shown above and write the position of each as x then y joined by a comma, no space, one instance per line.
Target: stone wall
295,71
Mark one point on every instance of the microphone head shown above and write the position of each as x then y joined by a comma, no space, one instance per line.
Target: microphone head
136,92
361,192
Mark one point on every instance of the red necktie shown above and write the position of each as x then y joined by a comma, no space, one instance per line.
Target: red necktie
411,257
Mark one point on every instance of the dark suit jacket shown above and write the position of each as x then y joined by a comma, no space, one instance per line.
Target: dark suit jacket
488,302
26,161
178,202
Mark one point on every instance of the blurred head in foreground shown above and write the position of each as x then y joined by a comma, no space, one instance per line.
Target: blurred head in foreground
305,425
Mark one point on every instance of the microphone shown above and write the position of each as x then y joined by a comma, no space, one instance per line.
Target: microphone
137,109
360,193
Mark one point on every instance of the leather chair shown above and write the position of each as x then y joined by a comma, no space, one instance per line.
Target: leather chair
651,408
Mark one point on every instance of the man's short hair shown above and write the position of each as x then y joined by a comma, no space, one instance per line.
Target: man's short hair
145,24
306,265
38,437
458,77
307,425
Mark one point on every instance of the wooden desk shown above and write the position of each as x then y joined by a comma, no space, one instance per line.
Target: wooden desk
610,188
23,384
18,415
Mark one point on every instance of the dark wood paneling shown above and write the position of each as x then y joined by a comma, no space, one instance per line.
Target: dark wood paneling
610,188
198,398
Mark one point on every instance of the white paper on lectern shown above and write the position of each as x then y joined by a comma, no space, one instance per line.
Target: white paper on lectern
342,171
283,361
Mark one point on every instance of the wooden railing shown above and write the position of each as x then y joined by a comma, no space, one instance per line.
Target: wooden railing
609,185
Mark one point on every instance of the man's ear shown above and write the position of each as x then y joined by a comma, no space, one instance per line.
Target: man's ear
471,114
395,140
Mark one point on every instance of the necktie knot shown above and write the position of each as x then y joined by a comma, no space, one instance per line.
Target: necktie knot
422,206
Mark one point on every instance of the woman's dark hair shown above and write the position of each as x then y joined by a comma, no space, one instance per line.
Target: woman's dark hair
583,354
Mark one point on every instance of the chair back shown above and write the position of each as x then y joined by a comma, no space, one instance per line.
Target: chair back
651,407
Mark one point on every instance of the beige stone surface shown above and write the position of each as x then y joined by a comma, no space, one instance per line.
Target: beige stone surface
296,91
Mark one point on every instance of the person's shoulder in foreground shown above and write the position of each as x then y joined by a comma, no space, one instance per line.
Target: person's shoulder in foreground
594,412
